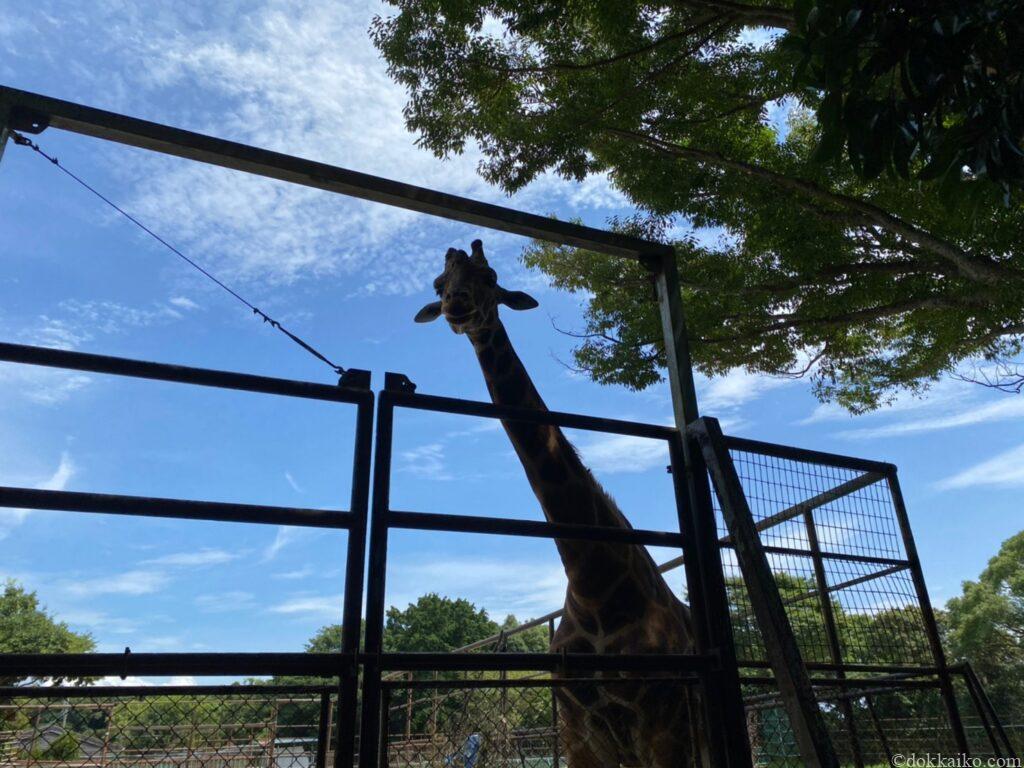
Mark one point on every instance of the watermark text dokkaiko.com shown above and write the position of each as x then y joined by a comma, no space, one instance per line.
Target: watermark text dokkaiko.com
934,760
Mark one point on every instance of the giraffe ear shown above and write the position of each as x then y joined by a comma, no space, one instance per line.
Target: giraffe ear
517,300
430,312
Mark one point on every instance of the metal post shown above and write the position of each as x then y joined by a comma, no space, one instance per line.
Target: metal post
973,680
928,615
879,729
979,707
783,653
831,632
723,699
348,691
5,128
323,730
373,727
554,707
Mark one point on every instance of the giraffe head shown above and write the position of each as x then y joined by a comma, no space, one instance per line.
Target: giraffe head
470,293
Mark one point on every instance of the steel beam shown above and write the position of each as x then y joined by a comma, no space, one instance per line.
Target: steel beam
725,720
783,652
111,126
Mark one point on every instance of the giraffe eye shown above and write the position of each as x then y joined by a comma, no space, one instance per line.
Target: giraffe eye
439,286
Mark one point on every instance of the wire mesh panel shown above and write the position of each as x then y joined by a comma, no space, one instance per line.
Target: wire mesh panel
835,545
254,726
527,722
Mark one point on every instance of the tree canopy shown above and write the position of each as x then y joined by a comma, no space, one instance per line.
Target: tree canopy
26,627
868,282
985,625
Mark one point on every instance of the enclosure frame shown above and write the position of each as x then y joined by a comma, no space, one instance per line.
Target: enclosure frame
342,665
32,113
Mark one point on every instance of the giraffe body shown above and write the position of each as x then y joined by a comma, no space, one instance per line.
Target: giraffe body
616,601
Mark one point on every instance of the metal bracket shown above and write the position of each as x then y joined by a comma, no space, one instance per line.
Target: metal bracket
398,382
355,378
27,120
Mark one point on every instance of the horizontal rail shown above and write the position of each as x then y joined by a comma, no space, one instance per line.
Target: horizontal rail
823,666
131,691
111,126
176,509
820,500
849,583
548,682
204,377
520,662
842,556
557,418
49,665
807,455
429,521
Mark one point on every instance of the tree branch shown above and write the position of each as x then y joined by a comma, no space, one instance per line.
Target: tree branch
980,270
756,15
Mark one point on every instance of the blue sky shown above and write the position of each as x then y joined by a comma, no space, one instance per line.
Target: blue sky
300,76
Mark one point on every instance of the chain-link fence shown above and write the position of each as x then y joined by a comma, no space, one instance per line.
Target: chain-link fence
235,727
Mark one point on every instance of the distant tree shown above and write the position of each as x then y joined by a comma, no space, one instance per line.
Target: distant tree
986,625
533,640
866,282
26,627
436,623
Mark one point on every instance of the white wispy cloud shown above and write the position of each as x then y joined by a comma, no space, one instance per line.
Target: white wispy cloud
967,413
134,583
58,481
1006,470
195,558
225,602
521,587
291,481
328,606
735,389
285,535
426,461
300,573
615,454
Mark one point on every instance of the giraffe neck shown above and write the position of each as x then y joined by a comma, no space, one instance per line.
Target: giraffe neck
611,586
565,488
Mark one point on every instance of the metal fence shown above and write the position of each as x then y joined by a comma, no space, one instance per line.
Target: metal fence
248,726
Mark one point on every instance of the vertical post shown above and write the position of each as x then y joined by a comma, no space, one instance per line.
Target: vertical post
554,707
805,717
348,693
928,615
728,744
831,632
5,128
323,729
972,679
373,727
983,717
879,729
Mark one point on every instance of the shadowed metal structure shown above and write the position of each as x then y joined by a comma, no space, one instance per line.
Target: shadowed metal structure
713,667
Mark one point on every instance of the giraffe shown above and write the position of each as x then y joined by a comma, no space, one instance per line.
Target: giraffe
616,600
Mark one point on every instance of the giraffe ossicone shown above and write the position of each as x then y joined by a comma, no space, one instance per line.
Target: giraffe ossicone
617,601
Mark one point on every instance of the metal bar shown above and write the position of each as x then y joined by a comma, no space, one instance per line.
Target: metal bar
133,691
476,662
323,730
461,407
728,745
831,631
5,129
556,758
927,614
972,676
143,664
110,126
204,377
879,729
429,521
177,509
552,682
869,559
806,455
979,707
786,661
348,690
823,666
372,730
826,497
848,583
